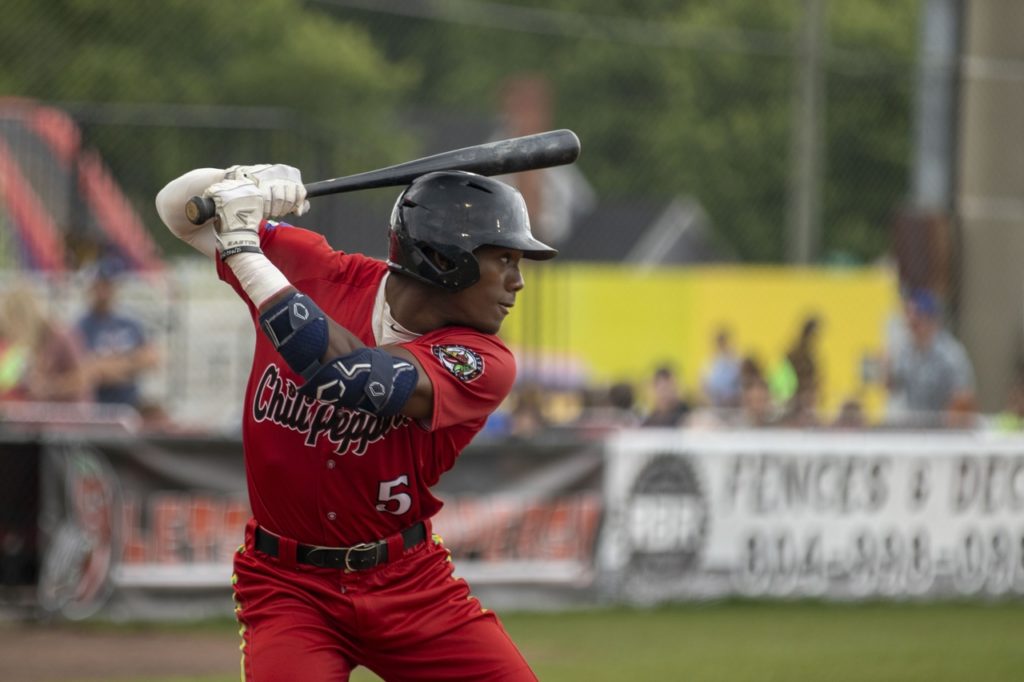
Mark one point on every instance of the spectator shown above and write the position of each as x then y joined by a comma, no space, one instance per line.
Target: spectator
801,412
930,375
622,402
896,341
750,370
850,416
13,359
118,351
757,409
796,381
41,360
607,408
527,418
721,381
669,408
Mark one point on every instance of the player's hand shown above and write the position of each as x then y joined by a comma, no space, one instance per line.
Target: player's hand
239,212
281,186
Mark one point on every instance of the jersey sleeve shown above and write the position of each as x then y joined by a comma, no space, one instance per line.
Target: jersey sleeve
298,253
472,373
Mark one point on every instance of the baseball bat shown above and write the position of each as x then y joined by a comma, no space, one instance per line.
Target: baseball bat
543,150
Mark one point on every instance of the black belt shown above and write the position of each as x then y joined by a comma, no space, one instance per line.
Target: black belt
356,558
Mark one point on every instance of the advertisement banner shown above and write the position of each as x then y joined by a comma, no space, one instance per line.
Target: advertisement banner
693,515
147,527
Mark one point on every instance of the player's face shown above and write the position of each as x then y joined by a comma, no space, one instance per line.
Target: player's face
484,305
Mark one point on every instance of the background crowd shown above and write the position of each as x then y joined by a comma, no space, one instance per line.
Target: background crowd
94,361
100,356
925,372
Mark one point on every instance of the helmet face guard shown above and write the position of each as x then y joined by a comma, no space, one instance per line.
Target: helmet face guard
442,218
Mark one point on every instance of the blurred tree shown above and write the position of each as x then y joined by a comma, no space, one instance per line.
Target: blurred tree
263,80
687,97
670,96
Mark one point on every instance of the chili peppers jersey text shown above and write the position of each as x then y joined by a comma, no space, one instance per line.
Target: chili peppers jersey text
332,476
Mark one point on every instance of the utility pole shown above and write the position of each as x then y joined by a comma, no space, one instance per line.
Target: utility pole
933,139
808,137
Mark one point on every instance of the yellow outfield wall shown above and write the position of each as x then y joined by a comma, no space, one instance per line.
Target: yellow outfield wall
619,323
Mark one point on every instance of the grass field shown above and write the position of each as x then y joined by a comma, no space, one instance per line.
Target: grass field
762,642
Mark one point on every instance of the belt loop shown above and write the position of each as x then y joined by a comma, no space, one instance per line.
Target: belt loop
396,546
287,551
428,527
250,533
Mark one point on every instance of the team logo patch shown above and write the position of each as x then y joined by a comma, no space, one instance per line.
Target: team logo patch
463,363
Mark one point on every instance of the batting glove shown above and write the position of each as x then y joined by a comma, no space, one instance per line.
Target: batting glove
281,186
239,212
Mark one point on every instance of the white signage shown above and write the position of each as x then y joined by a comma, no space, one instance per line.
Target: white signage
793,513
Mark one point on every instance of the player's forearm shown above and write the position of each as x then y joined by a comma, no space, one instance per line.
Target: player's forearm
333,363
117,368
170,205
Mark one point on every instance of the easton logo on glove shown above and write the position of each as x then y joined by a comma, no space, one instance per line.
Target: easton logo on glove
463,363
243,216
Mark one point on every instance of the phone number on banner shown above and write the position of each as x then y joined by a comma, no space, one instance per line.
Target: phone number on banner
868,561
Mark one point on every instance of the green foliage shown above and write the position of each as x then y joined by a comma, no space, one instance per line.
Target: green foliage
188,51
868,119
694,98
670,97
272,80
759,641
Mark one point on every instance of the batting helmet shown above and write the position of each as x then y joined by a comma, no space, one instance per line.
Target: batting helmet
441,218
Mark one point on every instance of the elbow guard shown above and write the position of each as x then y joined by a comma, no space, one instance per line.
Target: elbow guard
298,329
368,379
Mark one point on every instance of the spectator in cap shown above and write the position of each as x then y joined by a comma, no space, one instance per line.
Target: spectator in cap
928,375
118,351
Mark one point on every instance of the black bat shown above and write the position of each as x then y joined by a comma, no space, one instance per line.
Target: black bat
543,150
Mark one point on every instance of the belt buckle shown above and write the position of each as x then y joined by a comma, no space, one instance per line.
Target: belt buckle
362,546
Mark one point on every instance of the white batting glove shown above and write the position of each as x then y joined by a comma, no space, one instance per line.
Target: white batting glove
281,186
239,212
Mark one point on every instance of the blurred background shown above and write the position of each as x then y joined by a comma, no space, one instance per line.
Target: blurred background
780,355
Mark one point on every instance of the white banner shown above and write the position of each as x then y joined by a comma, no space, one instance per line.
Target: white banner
843,515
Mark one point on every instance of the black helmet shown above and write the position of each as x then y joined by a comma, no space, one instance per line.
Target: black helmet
450,214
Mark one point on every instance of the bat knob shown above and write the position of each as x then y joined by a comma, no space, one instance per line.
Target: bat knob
200,209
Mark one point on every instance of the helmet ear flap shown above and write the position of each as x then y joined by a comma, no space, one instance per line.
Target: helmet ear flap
440,262
451,267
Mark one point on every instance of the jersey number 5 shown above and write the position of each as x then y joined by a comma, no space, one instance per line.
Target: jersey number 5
386,495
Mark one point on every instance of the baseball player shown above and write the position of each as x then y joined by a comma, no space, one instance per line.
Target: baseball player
369,378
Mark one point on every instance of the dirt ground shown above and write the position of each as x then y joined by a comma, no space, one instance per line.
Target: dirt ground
62,653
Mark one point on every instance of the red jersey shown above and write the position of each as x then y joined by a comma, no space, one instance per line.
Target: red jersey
332,476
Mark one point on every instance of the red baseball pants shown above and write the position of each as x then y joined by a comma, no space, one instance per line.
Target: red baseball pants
409,619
